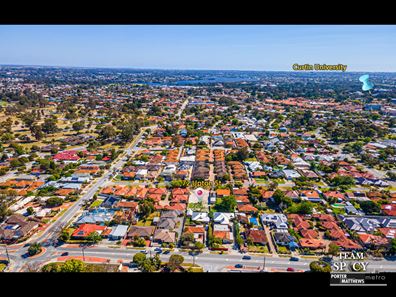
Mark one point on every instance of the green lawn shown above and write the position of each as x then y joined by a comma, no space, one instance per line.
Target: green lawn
149,220
2,266
258,249
251,160
260,180
96,203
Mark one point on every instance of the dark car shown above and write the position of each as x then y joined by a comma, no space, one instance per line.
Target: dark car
238,266
327,260
290,269
65,254
295,259
246,258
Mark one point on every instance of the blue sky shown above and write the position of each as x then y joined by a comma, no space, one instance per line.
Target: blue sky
242,47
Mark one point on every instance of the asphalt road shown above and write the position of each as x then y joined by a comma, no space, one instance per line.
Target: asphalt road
51,233
209,261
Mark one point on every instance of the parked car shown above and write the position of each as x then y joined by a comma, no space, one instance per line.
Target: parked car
295,259
246,257
158,250
238,266
290,269
65,254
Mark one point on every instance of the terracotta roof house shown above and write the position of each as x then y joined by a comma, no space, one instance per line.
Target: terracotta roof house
292,195
312,243
389,209
85,229
334,194
266,194
242,199
225,236
180,191
257,236
247,208
373,241
347,244
299,222
310,195
70,156
223,192
311,234
128,205
197,231
323,217
388,232
240,192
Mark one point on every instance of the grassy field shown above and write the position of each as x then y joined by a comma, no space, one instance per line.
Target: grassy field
96,203
90,267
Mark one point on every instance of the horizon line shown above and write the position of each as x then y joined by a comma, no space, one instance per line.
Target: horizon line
183,69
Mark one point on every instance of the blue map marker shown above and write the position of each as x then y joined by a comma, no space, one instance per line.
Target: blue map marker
367,85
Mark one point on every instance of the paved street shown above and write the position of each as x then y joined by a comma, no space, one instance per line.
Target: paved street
209,261
51,233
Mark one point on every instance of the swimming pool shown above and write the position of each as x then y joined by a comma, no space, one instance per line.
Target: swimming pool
254,221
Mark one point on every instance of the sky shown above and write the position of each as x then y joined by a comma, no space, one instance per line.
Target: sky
226,47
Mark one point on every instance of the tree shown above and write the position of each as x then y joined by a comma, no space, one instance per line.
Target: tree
146,208
34,249
174,262
187,238
94,237
65,236
37,132
49,126
199,245
54,202
281,199
393,246
73,265
369,207
139,242
227,204
51,267
305,207
319,266
77,126
139,258
333,249
4,211
147,266
391,175
30,210
108,132
341,180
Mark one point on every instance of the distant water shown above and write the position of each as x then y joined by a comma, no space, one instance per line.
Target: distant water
213,80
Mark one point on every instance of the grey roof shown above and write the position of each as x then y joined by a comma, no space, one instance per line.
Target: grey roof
119,231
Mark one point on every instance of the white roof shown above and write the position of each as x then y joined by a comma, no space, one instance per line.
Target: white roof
119,230
250,137
223,217
220,227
